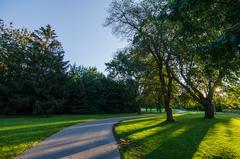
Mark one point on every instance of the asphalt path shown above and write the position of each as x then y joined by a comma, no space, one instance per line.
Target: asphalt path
88,140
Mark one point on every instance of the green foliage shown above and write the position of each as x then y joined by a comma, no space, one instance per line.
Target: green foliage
139,68
189,137
32,71
206,47
35,79
75,95
229,96
97,93
194,43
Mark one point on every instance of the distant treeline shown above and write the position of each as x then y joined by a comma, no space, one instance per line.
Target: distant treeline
35,79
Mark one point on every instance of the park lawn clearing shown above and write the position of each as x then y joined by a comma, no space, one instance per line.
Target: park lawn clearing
191,136
20,133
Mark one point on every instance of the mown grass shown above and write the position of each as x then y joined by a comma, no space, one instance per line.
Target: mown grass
191,136
20,133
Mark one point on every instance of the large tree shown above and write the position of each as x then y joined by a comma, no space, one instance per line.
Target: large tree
144,23
195,45
206,47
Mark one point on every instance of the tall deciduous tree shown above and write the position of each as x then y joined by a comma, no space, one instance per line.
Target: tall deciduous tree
195,45
206,47
145,24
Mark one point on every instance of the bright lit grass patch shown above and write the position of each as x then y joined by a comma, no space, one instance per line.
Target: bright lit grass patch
190,136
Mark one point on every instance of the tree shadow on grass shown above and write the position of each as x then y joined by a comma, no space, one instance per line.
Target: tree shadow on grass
178,140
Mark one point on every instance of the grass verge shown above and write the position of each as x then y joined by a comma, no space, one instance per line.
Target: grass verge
20,133
190,136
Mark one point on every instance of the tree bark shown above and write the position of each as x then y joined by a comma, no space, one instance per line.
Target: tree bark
159,102
138,108
206,102
169,92
169,113
168,101
209,110
166,94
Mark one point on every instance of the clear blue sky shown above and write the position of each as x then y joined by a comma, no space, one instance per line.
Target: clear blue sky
78,24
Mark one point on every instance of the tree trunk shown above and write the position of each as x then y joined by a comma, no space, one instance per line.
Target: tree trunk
168,99
159,103
138,108
209,110
169,113
166,93
160,108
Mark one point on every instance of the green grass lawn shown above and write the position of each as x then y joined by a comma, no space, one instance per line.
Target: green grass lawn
20,133
190,136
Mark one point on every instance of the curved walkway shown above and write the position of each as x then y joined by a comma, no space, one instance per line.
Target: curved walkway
89,140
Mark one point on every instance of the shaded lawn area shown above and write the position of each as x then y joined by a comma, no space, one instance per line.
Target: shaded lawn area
191,136
20,133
